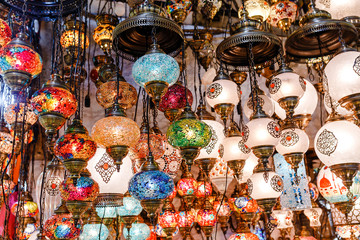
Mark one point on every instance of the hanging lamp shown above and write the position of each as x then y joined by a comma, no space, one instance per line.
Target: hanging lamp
103,32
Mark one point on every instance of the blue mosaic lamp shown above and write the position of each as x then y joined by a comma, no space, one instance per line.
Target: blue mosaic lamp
138,231
151,186
131,206
94,229
107,211
156,71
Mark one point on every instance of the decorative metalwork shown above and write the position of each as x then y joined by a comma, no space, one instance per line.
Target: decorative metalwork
330,102
266,176
326,142
275,85
277,183
302,83
274,129
214,90
326,3
250,186
356,66
250,103
289,138
221,150
245,149
105,167
214,138
53,185
245,133
239,92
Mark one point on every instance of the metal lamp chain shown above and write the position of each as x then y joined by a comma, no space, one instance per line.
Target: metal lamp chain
24,10
253,82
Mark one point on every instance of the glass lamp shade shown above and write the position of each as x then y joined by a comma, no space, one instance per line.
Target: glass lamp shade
332,188
54,99
103,36
343,74
265,102
62,226
174,98
5,33
345,231
185,218
203,189
262,132
167,219
86,189
250,164
94,232
222,209
161,233
293,141
28,231
30,209
179,9
10,114
6,142
103,171
282,14
221,175
222,92
155,67
313,214
288,84
131,207
314,191
210,8
186,186
338,108
189,132
70,39
151,185
246,204
138,231
257,9
217,137
106,212
243,236
7,187
54,177
208,76
235,149
141,149
264,186
206,217
335,143
115,130
283,218
20,57
106,94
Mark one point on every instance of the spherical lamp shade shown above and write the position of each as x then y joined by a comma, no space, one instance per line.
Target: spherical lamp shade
308,102
346,231
332,188
222,92
179,9
234,148
206,217
343,74
30,228
262,132
167,219
139,231
203,189
131,207
150,185
19,110
30,209
264,101
243,236
161,233
106,212
62,226
107,93
222,208
293,141
313,214
5,33
94,232
282,14
141,149
103,32
186,186
217,137
335,143
257,9
185,218
288,84
263,185
85,189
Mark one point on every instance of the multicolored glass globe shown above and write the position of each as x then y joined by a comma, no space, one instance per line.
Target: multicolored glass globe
85,189
206,217
141,149
167,219
6,142
103,32
28,231
174,101
94,232
138,231
179,9
7,187
221,175
203,189
186,186
185,218
222,208
30,209
283,14
131,207
54,103
5,33
243,236
155,71
19,63
246,204
161,233
107,93
16,110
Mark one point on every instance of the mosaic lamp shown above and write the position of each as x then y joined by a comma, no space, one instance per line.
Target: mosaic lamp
335,144
167,219
348,231
204,188
94,229
156,71
257,9
53,103
345,65
17,113
7,188
79,196
210,8
209,154
75,148
103,32
151,186
29,208
6,142
282,217
223,210
185,220
282,14
179,9
129,211
116,133
221,175
189,135
61,225
174,101
138,231
243,236
186,187
5,33
206,218
223,95
19,63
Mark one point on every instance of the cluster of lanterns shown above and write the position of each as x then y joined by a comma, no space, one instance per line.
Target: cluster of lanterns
78,202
